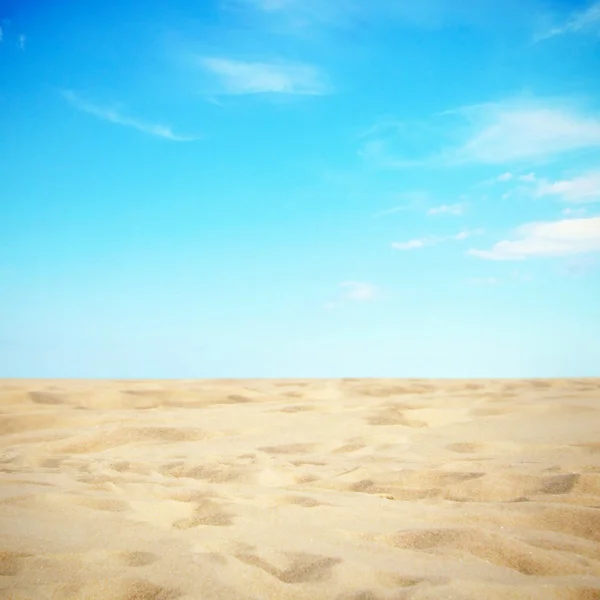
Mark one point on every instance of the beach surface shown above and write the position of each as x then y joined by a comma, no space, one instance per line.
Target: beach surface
348,489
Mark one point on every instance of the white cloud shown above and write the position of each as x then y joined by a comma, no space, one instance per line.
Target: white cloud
463,235
114,116
528,178
547,239
448,209
585,188
584,21
505,177
359,291
239,77
514,131
21,41
432,240
414,244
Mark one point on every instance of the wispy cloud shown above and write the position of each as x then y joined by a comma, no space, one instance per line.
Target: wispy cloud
448,209
379,153
528,178
354,291
241,77
585,188
583,21
508,178
432,240
113,116
429,14
498,133
410,201
21,41
574,212
467,233
547,239
416,243
359,291
515,131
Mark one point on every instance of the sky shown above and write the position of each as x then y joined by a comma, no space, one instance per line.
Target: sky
299,188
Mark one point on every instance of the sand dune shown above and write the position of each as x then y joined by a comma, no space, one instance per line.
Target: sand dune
339,490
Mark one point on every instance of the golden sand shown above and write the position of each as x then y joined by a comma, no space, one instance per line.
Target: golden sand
309,489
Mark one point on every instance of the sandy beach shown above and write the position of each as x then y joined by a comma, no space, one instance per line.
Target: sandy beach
309,489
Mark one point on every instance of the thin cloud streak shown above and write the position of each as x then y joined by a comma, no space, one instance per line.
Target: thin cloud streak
354,291
414,201
241,77
448,209
580,22
359,291
300,15
113,116
432,240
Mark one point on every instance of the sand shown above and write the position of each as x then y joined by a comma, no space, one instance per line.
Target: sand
309,489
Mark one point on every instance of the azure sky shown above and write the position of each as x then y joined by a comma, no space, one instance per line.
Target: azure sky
299,188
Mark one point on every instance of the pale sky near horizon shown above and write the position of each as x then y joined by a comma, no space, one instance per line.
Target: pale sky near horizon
299,188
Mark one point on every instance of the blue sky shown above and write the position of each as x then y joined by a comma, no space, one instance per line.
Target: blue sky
273,188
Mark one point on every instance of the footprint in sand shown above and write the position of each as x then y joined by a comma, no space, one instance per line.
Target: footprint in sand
303,568
349,447
510,487
394,415
205,512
